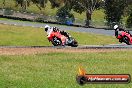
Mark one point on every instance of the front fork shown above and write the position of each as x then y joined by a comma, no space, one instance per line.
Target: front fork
121,40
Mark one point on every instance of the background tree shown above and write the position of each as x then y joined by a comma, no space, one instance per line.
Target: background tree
3,3
56,3
129,21
23,3
129,13
42,3
88,6
80,6
114,10
39,3
64,14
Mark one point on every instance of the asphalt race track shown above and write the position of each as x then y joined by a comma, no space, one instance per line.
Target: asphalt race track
111,46
79,29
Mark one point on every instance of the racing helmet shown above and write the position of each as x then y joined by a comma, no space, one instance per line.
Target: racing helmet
55,29
116,26
47,27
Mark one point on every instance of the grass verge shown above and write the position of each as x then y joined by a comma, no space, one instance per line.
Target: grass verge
59,69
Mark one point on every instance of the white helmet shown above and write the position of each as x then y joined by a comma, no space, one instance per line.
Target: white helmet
116,26
47,27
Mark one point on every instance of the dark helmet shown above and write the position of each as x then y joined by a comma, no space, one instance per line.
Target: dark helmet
55,29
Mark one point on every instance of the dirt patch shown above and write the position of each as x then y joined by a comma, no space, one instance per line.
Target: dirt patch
30,51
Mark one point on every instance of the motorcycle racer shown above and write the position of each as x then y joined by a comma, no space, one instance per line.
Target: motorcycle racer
118,30
48,30
54,31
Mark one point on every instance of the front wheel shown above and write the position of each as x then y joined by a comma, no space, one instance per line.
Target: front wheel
126,40
56,41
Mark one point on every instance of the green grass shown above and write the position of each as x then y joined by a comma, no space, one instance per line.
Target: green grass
94,39
28,36
8,4
59,70
13,35
98,18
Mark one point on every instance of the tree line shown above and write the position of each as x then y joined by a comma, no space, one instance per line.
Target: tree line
114,9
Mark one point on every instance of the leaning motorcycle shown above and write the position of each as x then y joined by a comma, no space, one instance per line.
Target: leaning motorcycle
125,37
55,38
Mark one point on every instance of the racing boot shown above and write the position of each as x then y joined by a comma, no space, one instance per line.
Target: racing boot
63,39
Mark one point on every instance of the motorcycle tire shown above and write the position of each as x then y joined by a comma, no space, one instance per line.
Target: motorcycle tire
126,40
74,43
56,41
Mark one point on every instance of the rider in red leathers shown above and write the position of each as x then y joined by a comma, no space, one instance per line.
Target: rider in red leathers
55,31
119,31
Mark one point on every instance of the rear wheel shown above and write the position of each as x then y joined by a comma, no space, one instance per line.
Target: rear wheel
74,43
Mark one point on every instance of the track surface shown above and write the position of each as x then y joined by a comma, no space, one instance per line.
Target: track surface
79,29
112,46
32,50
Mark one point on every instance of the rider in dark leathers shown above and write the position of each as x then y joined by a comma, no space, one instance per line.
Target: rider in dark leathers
55,29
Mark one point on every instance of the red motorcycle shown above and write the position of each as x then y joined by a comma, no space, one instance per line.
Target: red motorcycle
58,39
125,36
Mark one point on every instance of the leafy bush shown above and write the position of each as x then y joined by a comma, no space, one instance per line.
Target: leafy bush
114,10
8,12
64,16
129,21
